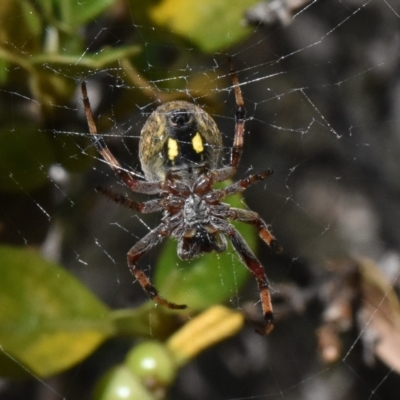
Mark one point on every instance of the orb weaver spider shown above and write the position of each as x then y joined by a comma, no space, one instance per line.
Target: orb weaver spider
180,154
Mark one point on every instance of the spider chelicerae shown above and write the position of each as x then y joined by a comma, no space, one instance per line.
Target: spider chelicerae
180,151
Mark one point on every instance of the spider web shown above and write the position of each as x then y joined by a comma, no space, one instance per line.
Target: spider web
322,96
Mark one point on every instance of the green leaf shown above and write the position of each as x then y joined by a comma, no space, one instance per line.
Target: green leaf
147,321
77,13
73,13
207,280
48,320
211,24
20,26
31,18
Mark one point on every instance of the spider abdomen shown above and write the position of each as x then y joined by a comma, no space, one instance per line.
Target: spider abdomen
179,136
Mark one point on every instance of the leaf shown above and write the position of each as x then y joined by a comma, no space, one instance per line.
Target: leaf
205,330
20,26
78,13
379,315
73,13
361,290
210,24
48,320
146,321
207,280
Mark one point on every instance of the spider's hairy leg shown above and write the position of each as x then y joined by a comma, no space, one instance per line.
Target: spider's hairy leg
242,185
253,218
255,267
142,246
126,176
240,116
222,174
146,207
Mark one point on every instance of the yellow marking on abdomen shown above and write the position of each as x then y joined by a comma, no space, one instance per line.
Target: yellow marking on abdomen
173,150
197,143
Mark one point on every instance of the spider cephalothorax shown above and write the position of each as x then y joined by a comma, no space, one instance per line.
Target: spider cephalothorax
180,151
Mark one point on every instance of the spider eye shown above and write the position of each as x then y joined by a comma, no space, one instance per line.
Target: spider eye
180,118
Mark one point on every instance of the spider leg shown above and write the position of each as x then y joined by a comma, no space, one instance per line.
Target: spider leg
240,120
253,218
255,267
242,185
222,174
126,176
145,207
240,116
141,247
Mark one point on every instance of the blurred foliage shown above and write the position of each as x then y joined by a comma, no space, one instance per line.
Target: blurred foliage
45,304
211,25
49,321
151,367
44,54
360,296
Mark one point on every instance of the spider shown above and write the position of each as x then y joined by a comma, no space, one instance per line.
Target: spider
180,155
